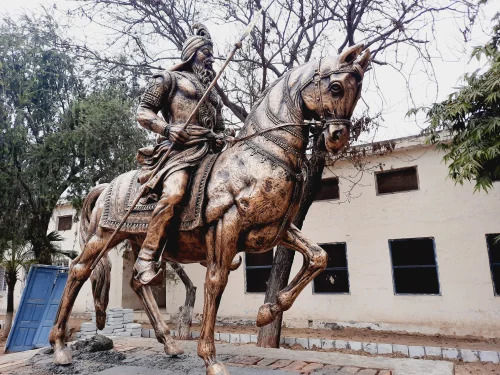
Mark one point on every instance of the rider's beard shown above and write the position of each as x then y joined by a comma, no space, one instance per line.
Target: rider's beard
204,73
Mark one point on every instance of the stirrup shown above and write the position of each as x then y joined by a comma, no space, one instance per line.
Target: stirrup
145,273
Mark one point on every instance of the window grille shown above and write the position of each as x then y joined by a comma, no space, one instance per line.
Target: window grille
414,266
335,278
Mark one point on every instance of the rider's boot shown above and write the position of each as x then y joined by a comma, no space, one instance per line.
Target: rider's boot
145,269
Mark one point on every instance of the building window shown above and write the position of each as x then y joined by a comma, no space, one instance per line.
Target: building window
335,278
414,266
396,180
493,241
329,189
258,268
64,222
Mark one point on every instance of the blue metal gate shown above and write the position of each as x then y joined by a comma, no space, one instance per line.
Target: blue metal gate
37,308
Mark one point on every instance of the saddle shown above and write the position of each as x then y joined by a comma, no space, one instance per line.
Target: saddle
122,191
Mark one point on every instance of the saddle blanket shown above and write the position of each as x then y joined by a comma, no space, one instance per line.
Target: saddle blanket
122,191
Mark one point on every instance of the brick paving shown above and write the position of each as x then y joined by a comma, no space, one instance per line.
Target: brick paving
301,367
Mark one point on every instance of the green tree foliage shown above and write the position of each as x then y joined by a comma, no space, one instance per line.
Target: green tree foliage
467,125
61,131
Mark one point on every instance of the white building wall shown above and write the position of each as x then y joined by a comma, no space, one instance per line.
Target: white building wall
454,215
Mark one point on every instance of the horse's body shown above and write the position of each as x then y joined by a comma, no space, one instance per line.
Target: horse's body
252,196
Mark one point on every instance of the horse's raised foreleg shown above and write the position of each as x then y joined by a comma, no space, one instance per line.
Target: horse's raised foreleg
78,274
162,332
315,260
221,247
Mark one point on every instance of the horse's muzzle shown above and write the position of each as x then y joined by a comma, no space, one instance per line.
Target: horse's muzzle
337,135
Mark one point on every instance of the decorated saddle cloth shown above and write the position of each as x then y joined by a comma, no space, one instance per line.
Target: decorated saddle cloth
122,191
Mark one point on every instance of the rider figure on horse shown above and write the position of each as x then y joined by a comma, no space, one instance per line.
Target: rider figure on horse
176,92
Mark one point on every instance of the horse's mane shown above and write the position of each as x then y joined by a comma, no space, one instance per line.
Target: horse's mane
268,89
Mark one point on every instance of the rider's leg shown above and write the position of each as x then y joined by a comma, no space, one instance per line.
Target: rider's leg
174,188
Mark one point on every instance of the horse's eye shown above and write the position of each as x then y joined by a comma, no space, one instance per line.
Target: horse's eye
336,88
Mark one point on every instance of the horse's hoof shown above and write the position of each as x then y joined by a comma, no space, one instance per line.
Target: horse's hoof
62,357
173,348
266,315
100,319
217,369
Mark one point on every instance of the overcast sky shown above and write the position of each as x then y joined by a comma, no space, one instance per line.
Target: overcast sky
451,62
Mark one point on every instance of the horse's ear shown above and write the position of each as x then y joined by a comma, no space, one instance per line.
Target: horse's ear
350,54
364,59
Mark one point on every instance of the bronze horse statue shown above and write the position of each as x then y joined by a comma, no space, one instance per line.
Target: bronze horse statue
252,195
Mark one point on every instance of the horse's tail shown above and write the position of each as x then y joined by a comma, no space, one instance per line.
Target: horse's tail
101,275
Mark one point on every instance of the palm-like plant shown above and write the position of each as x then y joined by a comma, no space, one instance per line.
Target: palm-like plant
18,254
15,255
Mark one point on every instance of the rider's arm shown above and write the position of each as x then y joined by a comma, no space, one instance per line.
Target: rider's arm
151,103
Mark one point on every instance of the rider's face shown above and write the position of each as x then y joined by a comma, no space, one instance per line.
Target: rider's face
204,57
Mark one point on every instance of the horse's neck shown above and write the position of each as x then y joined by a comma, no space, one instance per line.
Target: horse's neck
276,123
276,108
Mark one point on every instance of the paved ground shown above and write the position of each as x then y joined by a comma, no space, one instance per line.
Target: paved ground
146,357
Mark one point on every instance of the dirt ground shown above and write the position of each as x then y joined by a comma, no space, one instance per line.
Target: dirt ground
477,369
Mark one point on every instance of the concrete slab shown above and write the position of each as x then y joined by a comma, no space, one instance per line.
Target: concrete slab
355,345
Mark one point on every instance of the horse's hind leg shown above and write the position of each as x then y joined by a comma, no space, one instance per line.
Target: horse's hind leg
78,274
101,282
221,247
315,259
151,307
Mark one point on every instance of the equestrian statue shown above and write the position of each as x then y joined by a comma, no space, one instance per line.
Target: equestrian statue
200,199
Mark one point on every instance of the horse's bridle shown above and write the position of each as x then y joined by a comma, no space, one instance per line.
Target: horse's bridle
316,78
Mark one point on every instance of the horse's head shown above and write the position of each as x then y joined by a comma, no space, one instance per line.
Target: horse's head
331,92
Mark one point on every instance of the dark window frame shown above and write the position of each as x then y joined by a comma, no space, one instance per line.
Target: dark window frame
492,264
253,268
436,266
346,268
64,217
388,171
315,199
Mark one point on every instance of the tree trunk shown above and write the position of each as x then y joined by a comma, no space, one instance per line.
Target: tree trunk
38,237
185,317
11,284
269,336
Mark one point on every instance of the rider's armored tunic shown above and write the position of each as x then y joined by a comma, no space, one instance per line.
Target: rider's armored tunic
160,96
